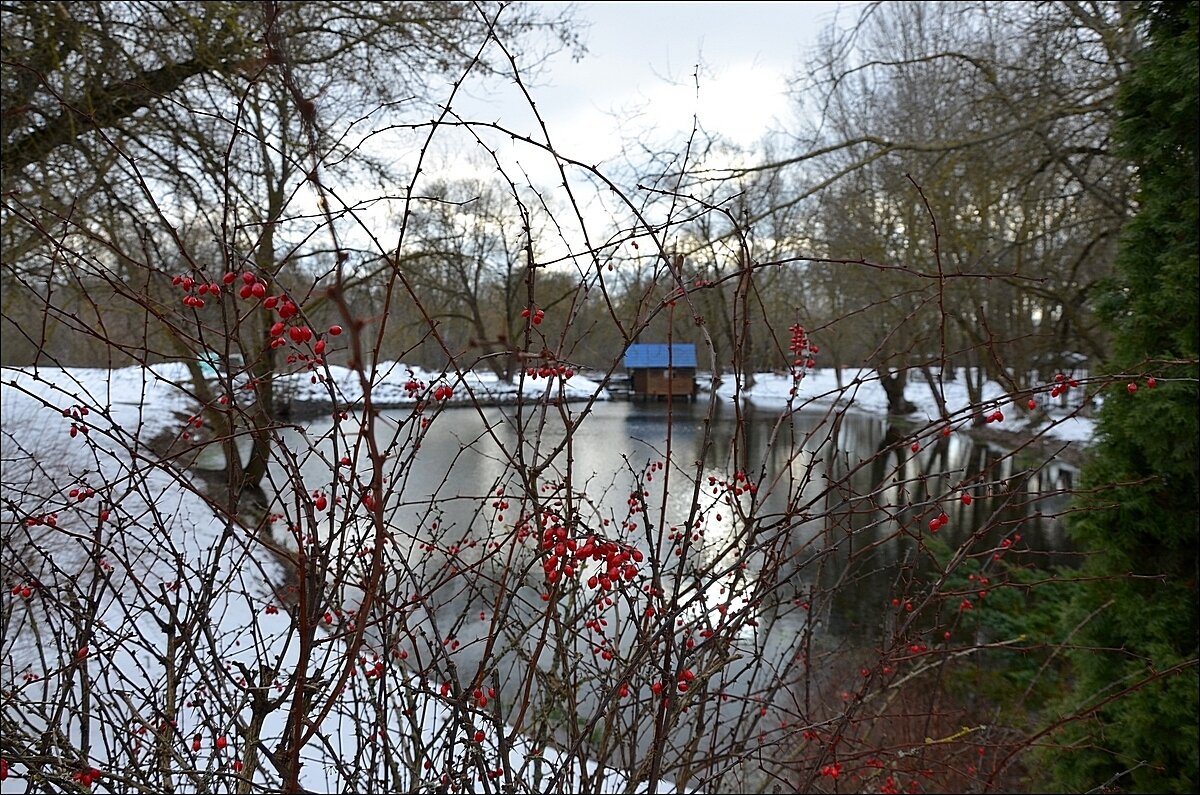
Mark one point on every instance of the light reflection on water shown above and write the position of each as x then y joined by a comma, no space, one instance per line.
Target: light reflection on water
827,497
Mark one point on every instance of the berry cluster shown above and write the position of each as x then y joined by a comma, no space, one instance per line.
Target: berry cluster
566,556
534,315
802,352
194,290
441,392
87,778
23,589
77,413
547,371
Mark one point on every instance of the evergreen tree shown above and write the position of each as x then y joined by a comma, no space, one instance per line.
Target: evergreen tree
1132,625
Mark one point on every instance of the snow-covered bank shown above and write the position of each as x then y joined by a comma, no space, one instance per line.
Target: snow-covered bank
396,385
860,390
135,530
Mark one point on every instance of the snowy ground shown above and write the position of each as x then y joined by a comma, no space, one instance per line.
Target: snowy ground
1057,418
398,384
127,407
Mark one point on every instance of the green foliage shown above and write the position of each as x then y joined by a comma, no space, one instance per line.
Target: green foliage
1020,609
1134,695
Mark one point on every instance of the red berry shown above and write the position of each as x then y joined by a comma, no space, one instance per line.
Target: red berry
966,499
196,743
82,653
1151,382
916,446
222,742
1032,404
479,735
258,289
246,291
1131,387
229,278
334,330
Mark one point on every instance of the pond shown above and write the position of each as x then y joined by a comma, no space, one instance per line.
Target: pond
831,538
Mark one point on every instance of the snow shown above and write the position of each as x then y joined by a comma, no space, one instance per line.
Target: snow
179,535
189,542
396,384
861,391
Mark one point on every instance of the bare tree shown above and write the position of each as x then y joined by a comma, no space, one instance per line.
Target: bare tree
214,106
996,120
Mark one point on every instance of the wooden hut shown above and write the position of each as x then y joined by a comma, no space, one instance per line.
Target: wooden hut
658,370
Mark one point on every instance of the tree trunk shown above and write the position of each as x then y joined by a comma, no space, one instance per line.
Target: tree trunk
935,388
975,377
262,416
894,382
262,420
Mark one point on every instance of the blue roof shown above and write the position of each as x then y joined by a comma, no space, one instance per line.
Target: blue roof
660,355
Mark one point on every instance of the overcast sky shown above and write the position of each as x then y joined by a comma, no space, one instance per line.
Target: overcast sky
638,73
636,83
